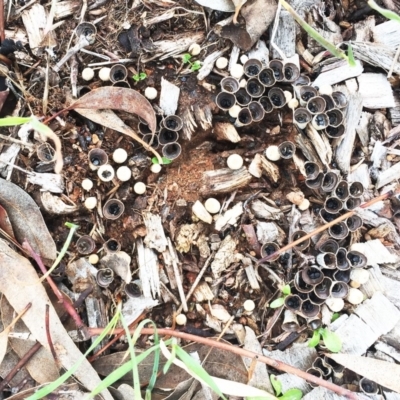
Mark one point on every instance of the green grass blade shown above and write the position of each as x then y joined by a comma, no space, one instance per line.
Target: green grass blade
13,121
350,54
197,370
54,385
170,360
383,11
314,34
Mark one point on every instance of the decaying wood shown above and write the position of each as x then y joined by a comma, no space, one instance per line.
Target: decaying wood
338,72
307,149
269,232
270,169
395,111
285,37
65,8
230,217
260,52
264,211
203,293
224,257
389,175
226,131
169,97
224,180
251,274
155,237
352,117
97,316
323,149
119,262
372,97
387,34
148,270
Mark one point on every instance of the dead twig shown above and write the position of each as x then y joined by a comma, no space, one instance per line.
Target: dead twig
325,227
2,29
48,335
243,353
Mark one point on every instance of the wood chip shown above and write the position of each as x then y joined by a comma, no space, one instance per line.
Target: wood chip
371,97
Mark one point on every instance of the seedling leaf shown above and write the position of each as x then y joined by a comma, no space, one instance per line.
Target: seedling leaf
350,54
315,339
277,302
196,66
292,394
136,77
186,58
286,290
335,316
142,76
386,13
13,121
331,340
165,160
314,34
277,385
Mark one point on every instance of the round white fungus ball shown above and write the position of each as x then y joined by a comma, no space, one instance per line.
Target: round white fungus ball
150,93
235,161
120,155
139,188
87,74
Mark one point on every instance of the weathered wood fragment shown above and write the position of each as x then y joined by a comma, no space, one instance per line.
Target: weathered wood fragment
169,97
148,270
155,237
371,96
224,180
226,131
338,72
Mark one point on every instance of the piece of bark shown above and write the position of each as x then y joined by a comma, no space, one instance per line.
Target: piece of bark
389,350
203,292
269,232
395,111
155,237
387,34
169,97
230,217
299,355
65,8
323,149
252,277
260,52
364,29
376,252
338,72
352,117
389,175
285,37
362,128
169,268
148,270
255,167
305,145
270,169
262,210
167,296
226,131
219,5
119,262
224,257
97,317
371,96
290,381
224,180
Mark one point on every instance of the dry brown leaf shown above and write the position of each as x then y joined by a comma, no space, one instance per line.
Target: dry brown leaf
17,285
5,223
382,372
26,220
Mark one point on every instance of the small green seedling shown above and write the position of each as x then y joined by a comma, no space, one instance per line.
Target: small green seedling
349,57
139,76
194,66
291,394
165,161
331,340
280,300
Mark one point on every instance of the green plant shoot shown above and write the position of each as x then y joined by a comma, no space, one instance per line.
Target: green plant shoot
319,38
277,385
165,160
291,394
194,66
186,58
139,76
281,300
386,13
331,340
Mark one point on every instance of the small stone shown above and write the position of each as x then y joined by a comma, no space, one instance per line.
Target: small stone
234,111
155,168
87,74
120,155
139,188
194,49
150,93
93,259
90,203
221,63
104,74
355,296
212,205
272,153
124,173
87,184
304,205
244,59
237,71
234,161
249,305
181,319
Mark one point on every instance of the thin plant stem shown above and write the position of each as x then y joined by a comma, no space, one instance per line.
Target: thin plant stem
244,353
324,227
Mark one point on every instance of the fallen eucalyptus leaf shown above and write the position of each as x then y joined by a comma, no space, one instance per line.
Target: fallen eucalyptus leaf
219,5
5,223
26,219
54,205
382,372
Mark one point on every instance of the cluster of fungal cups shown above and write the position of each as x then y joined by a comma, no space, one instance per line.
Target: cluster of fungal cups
166,135
336,271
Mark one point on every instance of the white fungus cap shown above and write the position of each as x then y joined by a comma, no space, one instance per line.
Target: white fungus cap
194,49
325,89
335,304
288,96
222,63
155,168
237,71
90,203
304,205
360,275
120,155
244,59
234,111
293,103
93,259
234,161
87,184
181,319
212,205
106,173
355,296
242,83
150,93
124,173
249,305
104,74
272,153
139,188
87,74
